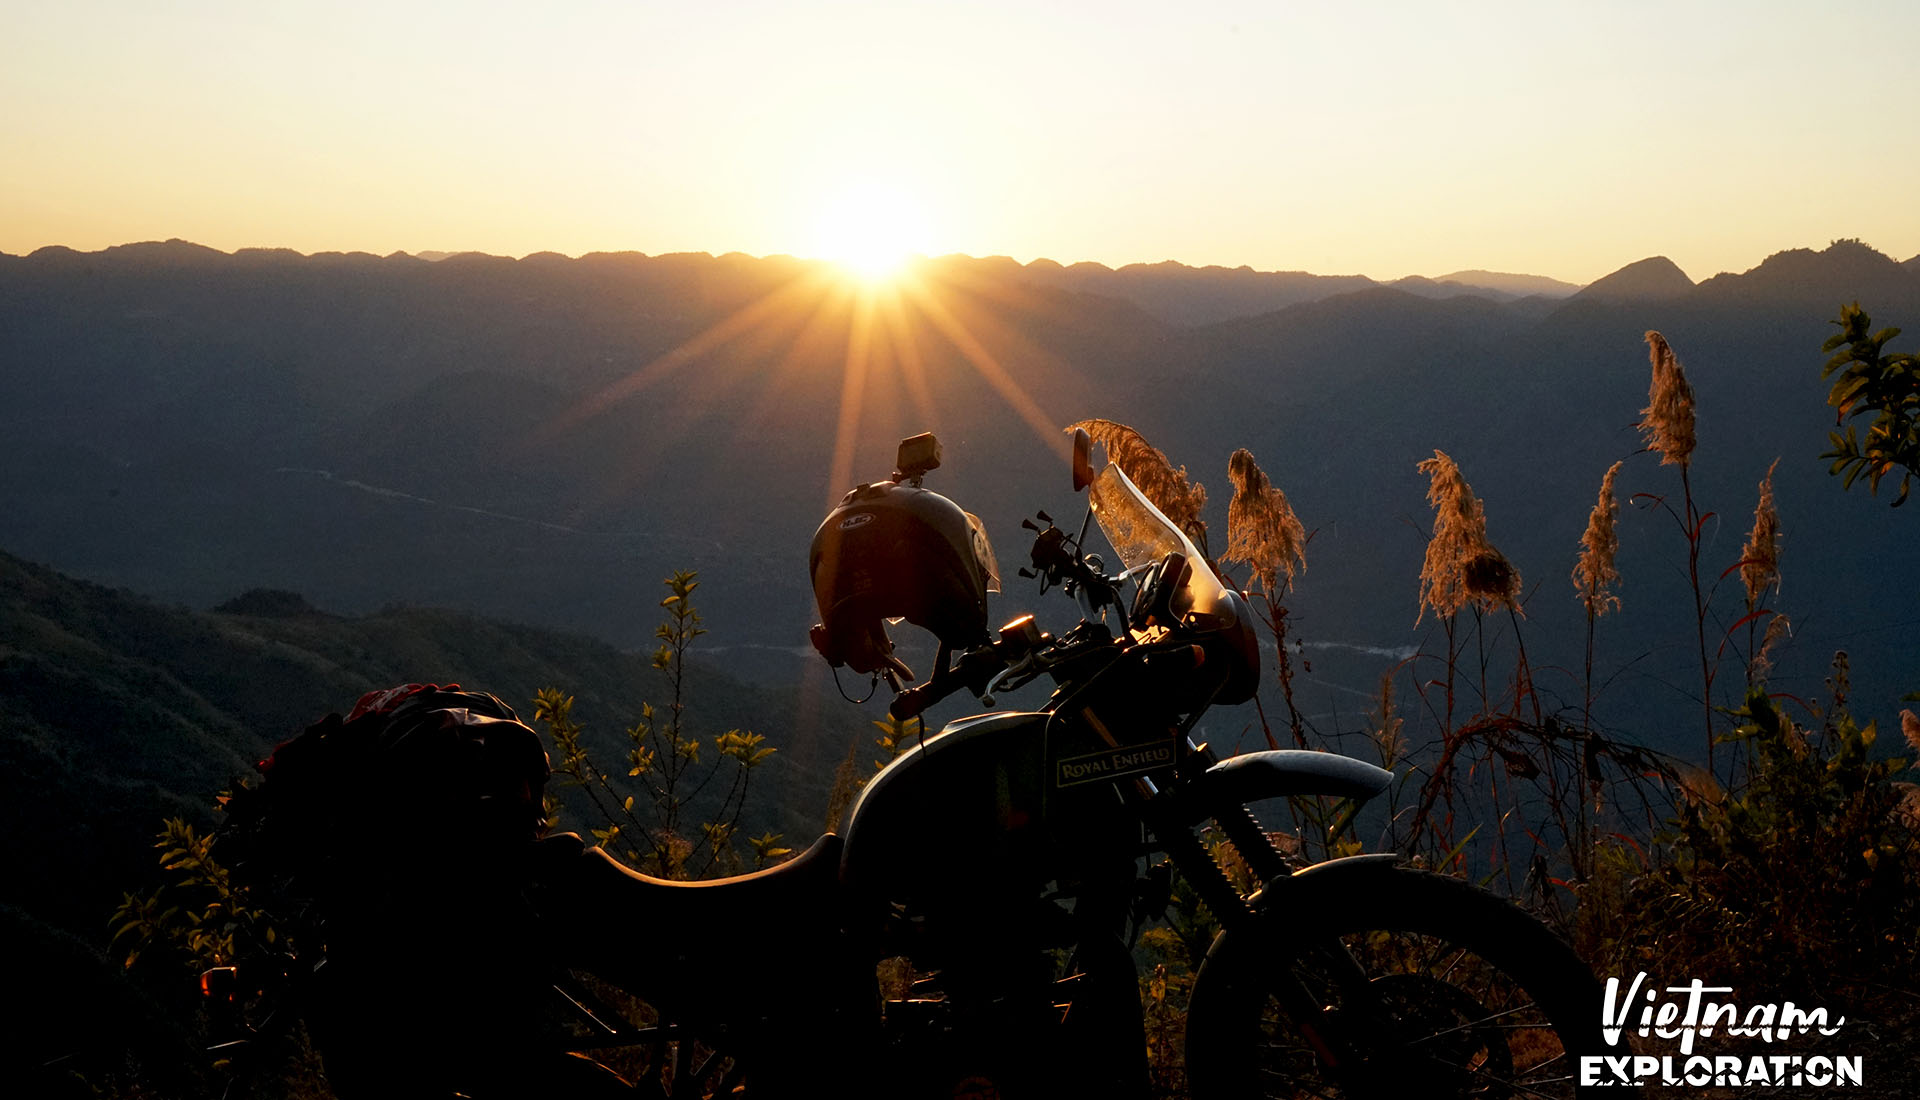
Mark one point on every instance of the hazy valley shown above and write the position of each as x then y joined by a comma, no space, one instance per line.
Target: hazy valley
543,439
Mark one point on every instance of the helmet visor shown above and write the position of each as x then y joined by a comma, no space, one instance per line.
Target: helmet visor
983,552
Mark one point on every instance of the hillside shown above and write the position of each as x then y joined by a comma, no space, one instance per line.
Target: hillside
116,711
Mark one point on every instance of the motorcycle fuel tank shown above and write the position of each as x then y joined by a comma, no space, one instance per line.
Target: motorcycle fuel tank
983,810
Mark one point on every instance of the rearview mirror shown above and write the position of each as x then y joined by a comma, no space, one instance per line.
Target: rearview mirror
1082,459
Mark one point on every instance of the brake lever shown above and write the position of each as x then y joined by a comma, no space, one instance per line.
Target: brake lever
1018,675
1020,649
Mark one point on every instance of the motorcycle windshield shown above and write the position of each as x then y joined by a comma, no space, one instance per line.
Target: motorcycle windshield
1141,535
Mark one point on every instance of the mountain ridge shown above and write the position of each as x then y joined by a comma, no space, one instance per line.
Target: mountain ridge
1653,278
1518,285
1174,292
1850,266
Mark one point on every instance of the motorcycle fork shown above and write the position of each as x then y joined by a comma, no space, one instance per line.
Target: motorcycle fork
1232,909
1345,1035
1327,1028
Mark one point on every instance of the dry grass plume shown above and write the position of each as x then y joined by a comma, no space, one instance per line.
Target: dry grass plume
1667,421
1261,527
1461,565
1167,487
1760,557
1779,628
1594,575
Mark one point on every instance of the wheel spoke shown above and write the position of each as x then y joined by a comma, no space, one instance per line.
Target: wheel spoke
1444,974
1294,1088
1523,1086
1482,1022
1415,984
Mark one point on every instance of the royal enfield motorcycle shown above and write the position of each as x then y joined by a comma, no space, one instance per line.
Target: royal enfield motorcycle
998,872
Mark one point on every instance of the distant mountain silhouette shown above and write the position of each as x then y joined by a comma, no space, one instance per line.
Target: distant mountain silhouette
1653,279
1848,267
144,255
1489,285
1430,288
1912,264
1519,286
1183,295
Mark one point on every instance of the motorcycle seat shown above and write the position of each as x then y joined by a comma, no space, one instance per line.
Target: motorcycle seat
799,885
790,911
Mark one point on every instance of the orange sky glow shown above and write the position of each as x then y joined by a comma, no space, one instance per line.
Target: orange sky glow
1383,139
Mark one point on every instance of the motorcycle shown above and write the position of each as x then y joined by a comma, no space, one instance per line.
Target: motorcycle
1007,866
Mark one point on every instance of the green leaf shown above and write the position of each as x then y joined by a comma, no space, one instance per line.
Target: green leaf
1448,859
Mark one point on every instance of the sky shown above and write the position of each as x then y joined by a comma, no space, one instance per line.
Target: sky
1383,139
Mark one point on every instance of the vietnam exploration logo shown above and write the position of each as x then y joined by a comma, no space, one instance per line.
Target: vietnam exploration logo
1693,1015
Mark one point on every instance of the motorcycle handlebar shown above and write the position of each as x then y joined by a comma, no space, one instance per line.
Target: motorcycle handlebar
975,669
909,703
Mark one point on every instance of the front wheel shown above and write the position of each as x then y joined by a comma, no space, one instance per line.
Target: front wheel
1368,982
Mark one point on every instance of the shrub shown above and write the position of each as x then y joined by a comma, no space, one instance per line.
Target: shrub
1805,877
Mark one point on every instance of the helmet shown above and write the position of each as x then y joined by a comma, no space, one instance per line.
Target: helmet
894,550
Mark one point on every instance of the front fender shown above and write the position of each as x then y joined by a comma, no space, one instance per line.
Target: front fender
1280,773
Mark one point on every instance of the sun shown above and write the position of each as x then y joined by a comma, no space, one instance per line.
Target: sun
871,228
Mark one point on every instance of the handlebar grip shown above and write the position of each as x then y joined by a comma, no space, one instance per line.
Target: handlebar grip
909,703
975,669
